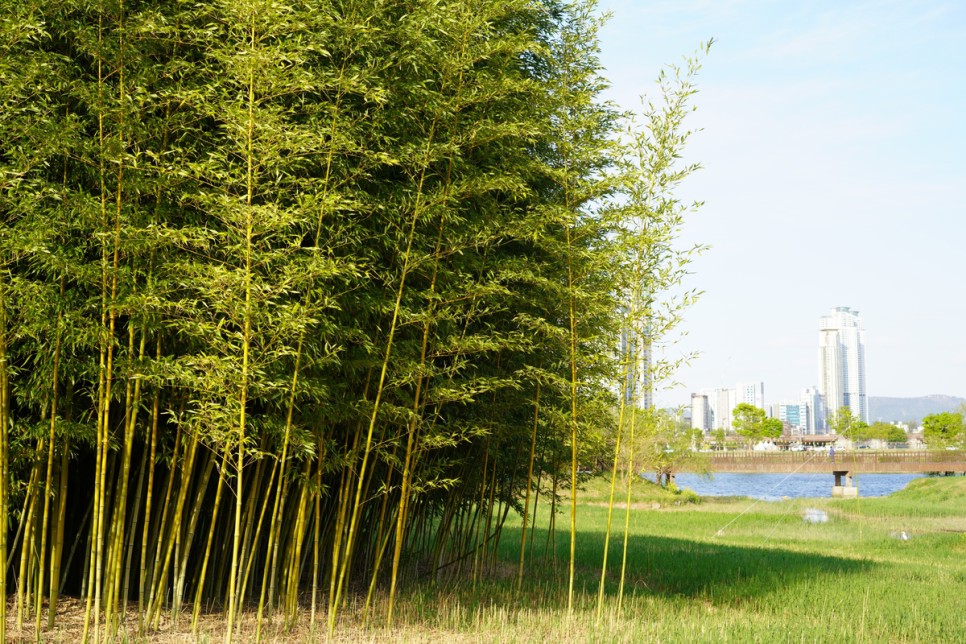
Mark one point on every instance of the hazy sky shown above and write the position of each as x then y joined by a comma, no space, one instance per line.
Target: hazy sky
834,153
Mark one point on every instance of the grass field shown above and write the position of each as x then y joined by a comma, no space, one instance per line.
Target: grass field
698,570
732,570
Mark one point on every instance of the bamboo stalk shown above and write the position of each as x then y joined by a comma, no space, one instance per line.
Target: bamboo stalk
49,477
296,556
233,600
526,502
4,457
145,531
27,549
613,486
103,340
58,545
573,414
340,526
315,539
479,512
189,534
172,537
631,473
163,518
131,531
199,588
279,507
250,552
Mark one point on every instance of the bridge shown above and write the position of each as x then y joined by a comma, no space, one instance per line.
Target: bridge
843,465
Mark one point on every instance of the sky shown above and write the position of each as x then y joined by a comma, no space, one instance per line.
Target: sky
833,144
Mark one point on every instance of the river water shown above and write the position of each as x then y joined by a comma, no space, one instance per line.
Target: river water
772,487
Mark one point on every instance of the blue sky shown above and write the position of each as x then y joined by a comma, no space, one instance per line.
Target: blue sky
834,150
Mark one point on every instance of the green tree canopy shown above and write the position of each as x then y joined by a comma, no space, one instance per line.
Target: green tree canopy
896,434
772,428
668,443
749,421
944,429
883,431
844,423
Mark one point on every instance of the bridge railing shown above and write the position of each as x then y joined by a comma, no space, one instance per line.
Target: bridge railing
922,457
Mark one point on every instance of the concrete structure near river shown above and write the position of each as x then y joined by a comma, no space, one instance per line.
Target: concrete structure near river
842,465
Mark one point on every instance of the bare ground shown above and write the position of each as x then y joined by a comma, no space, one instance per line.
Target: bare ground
69,628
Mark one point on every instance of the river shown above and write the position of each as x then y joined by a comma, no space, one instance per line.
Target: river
772,487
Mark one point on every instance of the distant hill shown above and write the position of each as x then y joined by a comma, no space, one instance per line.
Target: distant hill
906,409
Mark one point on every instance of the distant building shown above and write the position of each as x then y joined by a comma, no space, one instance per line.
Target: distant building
714,408
794,415
701,413
841,362
722,402
815,408
636,382
801,416
752,393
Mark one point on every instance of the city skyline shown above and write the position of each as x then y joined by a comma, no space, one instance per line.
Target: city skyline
841,384
830,139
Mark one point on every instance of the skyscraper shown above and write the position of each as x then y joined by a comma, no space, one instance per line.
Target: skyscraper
638,389
841,362
701,417
752,393
815,411
722,403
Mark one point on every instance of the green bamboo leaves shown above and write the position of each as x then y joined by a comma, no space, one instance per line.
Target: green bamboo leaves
647,222
300,297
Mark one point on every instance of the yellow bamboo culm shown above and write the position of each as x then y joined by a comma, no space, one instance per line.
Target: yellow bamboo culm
4,456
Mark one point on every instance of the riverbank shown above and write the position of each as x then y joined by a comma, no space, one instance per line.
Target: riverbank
775,487
735,569
697,570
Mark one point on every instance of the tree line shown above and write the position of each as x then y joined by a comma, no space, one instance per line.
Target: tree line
304,297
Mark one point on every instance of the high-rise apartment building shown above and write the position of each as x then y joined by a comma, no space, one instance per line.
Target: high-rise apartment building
714,408
841,362
637,386
794,415
722,403
805,416
752,393
815,408
701,413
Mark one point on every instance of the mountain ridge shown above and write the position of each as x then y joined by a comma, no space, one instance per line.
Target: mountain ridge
893,408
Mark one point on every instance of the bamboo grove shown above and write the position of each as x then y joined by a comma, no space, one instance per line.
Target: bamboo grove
299,299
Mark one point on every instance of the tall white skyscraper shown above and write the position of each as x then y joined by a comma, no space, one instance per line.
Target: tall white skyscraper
841,362
701,417
752,393
721,402
637,382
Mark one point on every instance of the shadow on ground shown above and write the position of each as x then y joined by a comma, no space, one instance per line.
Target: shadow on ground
680,567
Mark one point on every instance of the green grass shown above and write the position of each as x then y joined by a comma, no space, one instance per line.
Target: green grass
726,570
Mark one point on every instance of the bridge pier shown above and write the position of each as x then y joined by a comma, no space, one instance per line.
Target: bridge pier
848,490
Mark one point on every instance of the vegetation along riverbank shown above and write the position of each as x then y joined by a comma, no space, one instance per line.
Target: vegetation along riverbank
698,570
